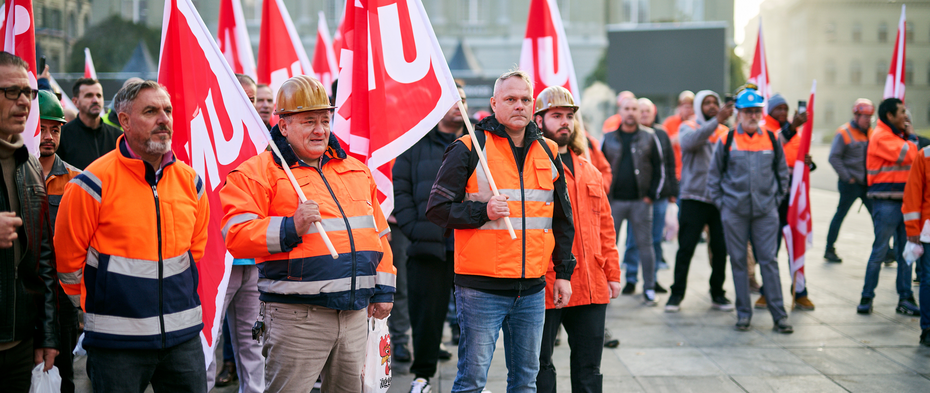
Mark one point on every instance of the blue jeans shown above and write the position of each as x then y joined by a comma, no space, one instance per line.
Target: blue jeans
923,272
631,256
848,195
888,221
482,316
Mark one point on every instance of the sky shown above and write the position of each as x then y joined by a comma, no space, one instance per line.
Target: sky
743,11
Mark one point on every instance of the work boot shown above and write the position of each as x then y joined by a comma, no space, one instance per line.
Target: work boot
761,303
865,306
228,376
803,303
890,258
754,286
628,289
925,337
783,327
443,353
830,256
609,341
742,324
908,307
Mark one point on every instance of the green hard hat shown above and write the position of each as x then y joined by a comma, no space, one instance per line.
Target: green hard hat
50,107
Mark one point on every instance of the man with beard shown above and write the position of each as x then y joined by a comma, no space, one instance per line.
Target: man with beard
596,279
264,103
135,209
87,137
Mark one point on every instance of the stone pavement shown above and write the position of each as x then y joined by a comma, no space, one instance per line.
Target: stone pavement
833,349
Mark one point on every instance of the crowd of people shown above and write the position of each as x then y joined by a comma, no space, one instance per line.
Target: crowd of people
511,229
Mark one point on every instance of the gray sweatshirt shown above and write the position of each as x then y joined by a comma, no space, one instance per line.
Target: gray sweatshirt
697,149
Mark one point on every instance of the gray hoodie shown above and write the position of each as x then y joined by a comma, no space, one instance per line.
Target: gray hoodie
697,149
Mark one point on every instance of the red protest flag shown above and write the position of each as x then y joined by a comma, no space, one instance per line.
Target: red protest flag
324,58
19,38
281,55
233,38
337,37
798,233
89,70
759,72
894,83
545,54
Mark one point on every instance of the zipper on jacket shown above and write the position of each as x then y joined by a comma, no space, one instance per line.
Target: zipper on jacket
351,238
523,230
161,272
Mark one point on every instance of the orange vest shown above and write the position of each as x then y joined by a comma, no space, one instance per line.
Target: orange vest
916,204
888,162
790,146
671,125
851,134
489,251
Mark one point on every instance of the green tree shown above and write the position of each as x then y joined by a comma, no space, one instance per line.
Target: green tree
111,42
599,73
737,77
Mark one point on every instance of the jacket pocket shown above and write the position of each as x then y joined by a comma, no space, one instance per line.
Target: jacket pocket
544,173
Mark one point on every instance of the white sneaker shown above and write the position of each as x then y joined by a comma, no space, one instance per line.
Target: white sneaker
649,298
420,385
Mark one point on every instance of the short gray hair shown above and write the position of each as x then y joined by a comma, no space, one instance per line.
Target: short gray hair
513,73
125,96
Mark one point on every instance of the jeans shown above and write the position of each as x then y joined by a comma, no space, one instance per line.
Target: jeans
399,322
694,216
584,326
888,221
631,256
848,195
429,286
180,368
482,316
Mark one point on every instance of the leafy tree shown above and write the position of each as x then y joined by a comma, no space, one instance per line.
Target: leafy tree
737,77
111,42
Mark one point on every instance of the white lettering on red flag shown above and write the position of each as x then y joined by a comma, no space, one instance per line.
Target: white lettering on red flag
281,55
545,54
89,70
19,38
394,85
216,128
759,72
894,83
324,58
233,38
798,233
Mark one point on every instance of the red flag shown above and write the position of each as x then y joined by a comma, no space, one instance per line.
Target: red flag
545,55
216,128
89,70
759,73
65,100
281,55
337,37
406,79
233,38
19,38
324,59
894,84
798,234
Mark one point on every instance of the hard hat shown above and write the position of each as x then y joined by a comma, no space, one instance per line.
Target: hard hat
749,98
301,93
863,106
50,107
554,97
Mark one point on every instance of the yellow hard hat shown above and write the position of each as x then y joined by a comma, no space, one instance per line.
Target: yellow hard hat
554,97
301,93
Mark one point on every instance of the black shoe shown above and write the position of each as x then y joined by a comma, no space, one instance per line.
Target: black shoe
890,258
456,333
742,324
658,288
783,327
908,307
609,341
674,304
628,289
401,353
831,256
721,303
228,376
865,306
444,354
925,337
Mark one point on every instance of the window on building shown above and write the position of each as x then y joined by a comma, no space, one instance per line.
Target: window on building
829,112
855,72
830,72
909,32
909,72
72,25
883,32
636,11
881,72
831,31
472,11
857,32
86,23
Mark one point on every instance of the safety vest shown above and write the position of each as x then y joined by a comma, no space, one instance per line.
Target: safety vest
888,161
850,135
489,251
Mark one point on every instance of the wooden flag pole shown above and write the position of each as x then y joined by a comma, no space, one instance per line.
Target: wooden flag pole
484,164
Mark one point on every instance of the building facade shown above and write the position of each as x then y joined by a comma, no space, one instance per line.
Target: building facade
58,24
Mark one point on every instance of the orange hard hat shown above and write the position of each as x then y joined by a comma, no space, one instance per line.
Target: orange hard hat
863,106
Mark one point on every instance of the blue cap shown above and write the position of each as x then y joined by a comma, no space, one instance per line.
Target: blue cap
749,98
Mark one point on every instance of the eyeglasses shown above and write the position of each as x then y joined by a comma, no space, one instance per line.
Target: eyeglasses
13,92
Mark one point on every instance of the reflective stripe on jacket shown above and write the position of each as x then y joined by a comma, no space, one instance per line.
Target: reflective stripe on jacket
848,151
127,241
259,203
748,183
888,162
595,245
916,204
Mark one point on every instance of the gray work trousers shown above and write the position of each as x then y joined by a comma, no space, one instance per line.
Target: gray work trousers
639,216
241,308
761,231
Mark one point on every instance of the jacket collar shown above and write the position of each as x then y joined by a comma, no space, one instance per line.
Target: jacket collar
490,124
333,151
890,127
60,168
140,167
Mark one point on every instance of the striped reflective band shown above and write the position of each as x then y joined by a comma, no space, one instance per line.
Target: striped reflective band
338,224
90,183
237,219
926,151
71,278
200,188
386,279
315,287
273,235
142,268
546,196
895,168
544,223
903,153
76,300
911,216
109,324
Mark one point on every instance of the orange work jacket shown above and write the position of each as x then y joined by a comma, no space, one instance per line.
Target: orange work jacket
671,125
888,163
916,204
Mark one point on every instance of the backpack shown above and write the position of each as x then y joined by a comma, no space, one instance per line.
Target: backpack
772,138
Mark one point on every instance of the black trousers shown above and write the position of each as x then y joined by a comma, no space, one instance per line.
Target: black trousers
692,218
584,326
65,359
429,284
16,366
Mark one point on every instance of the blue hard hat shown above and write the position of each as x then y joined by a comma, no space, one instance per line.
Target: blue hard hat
749,98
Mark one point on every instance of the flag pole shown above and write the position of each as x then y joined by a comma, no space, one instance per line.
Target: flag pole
303,197
483,162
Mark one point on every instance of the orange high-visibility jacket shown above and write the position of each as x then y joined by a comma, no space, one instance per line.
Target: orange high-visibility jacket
58,177
671,125
258,207
888,162
595,245
789,146
916,204
600,162
127,240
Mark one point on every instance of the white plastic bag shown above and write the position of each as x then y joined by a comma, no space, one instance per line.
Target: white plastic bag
671,222
45,382
376,376
79,348
912,252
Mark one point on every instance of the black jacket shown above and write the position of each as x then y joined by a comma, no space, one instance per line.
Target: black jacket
647,161
448,209
670,185
414,174
81,145
28,287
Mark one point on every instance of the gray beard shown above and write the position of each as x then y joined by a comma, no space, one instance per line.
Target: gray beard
152,147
